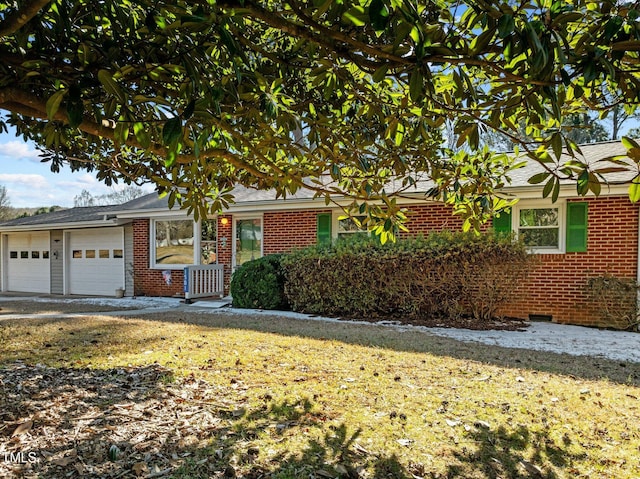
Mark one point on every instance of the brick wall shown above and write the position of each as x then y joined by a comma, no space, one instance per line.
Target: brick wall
147,281
288,230
557,286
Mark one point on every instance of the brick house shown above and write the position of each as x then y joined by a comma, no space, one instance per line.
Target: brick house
143,247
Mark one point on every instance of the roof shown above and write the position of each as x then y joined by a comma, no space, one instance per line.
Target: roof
71,215
248,197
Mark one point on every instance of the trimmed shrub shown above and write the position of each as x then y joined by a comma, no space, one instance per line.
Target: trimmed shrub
616,300
259,284
442,275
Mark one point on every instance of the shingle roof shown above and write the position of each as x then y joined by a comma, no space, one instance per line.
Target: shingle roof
70,215
592,153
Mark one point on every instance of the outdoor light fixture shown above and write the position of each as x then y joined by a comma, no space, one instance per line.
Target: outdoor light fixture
224,221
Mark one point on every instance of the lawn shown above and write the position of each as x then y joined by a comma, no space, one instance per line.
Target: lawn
196,396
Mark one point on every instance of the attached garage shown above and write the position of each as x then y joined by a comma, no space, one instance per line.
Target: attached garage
95,261
27,262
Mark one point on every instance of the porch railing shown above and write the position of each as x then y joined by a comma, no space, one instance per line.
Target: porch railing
203,281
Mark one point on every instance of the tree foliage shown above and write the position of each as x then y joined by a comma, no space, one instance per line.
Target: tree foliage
5,204
336,97
116,197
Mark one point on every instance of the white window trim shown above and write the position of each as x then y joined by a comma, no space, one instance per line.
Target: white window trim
561,205
152,241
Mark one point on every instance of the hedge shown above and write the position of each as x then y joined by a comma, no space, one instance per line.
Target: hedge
442,275
259,284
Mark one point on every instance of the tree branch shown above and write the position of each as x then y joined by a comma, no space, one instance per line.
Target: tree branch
17,101
16,20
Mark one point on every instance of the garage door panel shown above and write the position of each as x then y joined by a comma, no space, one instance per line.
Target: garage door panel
96,263
28,267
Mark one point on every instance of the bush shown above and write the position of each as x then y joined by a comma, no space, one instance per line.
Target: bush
442,275
616,301
259,284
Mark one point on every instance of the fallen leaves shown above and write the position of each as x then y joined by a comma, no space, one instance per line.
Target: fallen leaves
124,422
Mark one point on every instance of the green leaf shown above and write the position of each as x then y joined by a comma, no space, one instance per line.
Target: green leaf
188,111
506,24
141,134
171,131
110,85
629,143
53,103
75,112
380,73
378,14
355,15
582,185
538,178
416,85
634,189
548,187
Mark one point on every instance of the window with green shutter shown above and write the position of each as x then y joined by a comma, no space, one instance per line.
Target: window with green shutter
502,223
324,228
576,227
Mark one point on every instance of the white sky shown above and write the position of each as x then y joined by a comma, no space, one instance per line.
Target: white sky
30,183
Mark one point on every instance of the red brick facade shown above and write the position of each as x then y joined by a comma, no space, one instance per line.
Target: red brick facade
555,288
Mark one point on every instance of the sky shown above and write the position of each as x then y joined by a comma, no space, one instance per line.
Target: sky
30,183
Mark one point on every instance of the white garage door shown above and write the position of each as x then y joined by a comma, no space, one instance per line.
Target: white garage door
28,263
95,261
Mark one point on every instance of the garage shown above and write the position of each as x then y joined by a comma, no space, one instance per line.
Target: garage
27,262
95,261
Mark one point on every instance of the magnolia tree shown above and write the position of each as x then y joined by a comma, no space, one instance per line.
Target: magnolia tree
338,97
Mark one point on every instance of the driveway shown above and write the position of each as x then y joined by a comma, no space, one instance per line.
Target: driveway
541,336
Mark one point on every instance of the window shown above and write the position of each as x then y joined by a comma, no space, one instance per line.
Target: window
348,226
539,227
209,241
24,255
45,255
173,242
117,253
90,253
35,255
547,228
13,254
77,253
103,254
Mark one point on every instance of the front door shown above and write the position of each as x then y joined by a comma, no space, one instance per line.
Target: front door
248,240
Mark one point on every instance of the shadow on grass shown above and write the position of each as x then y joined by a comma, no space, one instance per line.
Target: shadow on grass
583,367
143,422
119,332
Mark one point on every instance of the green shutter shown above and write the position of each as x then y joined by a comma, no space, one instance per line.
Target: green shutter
576,227
502,223
324,228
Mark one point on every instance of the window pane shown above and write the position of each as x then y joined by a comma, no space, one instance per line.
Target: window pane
77,253
174,242
539,217
103,253
348,225
208,242
544,237
248,240
24,254
13,254
45,255
117,253
90,253
35,255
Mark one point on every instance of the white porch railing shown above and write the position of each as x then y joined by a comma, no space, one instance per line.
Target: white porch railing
203,281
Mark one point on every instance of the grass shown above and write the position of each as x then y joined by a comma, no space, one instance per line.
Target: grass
314,399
